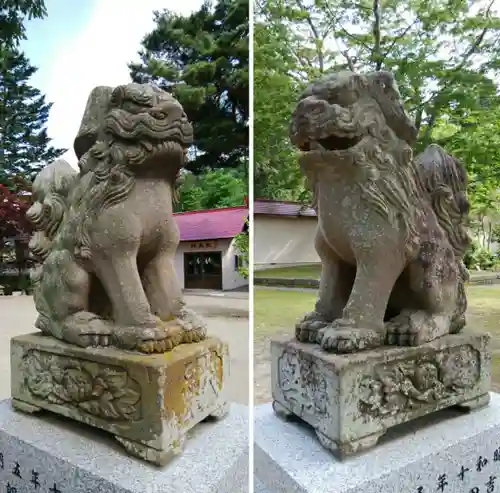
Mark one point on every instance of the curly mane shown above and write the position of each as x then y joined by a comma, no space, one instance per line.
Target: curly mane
445,180
138,124
51,190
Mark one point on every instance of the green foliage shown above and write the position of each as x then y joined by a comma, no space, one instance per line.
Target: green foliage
203,60
495,233
211,189
24,143
276,173
12,16
242,242
445,55
478,257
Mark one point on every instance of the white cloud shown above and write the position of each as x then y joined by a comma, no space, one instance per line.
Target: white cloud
98,55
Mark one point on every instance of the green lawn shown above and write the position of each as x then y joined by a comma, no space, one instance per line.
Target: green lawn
311,271
484,308
277,311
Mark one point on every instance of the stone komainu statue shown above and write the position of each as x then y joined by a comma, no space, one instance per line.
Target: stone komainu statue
391,227
106,236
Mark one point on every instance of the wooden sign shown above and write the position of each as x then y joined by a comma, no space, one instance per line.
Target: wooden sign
202,245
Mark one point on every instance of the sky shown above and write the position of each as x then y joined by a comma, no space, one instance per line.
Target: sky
83,44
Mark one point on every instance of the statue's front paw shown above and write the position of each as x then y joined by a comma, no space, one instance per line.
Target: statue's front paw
308,328
194,328
350,340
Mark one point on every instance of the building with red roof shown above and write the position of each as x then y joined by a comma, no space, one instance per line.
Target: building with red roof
206,257
283,234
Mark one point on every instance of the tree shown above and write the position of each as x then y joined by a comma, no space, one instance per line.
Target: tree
276,173
12,16
242,243
475,140
445,54
24,143
211,189
13,221
203,60
15,231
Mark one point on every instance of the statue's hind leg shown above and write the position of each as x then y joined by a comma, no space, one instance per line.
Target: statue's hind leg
435,281
62,301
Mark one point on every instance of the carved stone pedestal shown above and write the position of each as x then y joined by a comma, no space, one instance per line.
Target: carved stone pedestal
351,400
148,402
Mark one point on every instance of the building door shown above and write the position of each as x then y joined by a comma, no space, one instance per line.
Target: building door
203,270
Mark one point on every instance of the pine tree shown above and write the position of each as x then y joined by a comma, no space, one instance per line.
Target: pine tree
203,60
24,143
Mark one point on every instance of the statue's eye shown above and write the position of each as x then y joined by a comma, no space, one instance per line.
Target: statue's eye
159,115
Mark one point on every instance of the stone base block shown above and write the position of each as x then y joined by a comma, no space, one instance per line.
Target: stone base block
52,454
148,402
351,400
446,452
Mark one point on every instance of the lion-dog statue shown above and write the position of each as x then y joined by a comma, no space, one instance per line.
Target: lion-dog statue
106,236
391,231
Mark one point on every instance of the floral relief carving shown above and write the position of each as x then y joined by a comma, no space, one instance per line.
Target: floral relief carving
203,377
301,381
406,385
104,391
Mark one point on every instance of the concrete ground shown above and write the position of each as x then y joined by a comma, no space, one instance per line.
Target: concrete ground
226,318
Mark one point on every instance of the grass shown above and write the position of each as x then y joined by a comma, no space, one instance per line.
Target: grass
277,311
313,271
310,271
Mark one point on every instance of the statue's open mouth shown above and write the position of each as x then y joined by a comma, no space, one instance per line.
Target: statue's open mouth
330,143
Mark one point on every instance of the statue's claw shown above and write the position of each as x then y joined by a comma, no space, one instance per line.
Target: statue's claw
415,327
86,329
194,329
307,329
343,337
167,335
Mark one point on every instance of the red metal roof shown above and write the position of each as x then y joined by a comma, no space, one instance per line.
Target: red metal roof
211,224
282,208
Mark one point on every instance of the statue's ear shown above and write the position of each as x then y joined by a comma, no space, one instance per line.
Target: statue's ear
93,118
385,80
84,141
384,90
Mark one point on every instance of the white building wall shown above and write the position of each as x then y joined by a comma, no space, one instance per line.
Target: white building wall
231,278
283,241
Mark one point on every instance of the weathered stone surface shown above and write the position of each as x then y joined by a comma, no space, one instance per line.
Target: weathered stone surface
69,457
446,452
95,112
391,227
106,238
351,400
148,402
